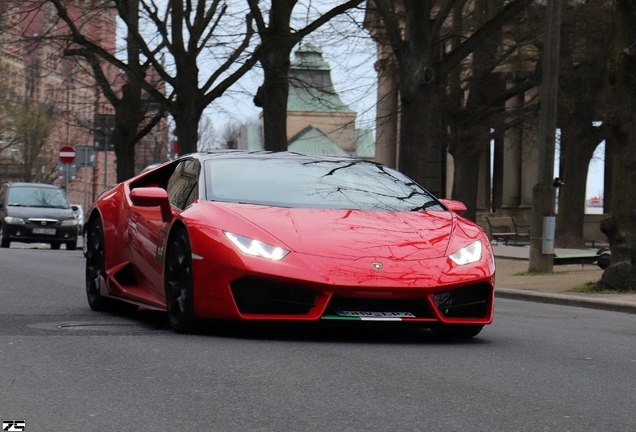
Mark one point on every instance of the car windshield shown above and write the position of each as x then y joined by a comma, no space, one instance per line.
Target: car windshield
34,196
299,183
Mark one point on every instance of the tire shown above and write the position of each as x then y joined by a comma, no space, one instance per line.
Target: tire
71,245
55,245
456,331
96,268
178,283
4,242
604,260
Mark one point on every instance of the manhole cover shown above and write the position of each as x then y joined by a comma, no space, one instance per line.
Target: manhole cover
93,326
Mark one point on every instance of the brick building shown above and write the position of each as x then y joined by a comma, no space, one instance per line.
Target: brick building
35,71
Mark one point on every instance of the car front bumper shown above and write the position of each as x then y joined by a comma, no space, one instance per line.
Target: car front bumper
31,233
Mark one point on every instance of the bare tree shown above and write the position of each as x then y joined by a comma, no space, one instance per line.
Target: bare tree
278,38
475,109
620,227
586,34
26,127
176,36
230,135
413,30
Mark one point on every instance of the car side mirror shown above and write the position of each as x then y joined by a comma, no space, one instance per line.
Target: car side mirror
454,205
152,197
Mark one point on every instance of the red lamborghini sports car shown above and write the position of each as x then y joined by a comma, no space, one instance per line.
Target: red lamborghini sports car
284,236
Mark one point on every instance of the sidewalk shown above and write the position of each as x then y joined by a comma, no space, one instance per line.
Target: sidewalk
513,283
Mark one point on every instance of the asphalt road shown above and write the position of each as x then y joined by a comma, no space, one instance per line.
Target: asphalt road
64,368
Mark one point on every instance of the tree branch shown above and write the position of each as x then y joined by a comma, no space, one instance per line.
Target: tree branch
234,57
492,26
258,17
326,17
446,9
98,72
391,25
151,124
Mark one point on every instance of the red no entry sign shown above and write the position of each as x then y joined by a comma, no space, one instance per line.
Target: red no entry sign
67,154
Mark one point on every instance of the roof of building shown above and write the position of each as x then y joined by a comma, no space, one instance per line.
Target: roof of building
312,140
365,144
311,89
309,57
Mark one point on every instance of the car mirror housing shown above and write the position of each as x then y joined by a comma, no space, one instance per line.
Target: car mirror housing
152,197
454,205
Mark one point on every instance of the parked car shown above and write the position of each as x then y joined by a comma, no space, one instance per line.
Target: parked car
286,236
78,211
36,213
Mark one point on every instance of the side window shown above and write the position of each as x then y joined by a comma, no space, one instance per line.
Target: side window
182,187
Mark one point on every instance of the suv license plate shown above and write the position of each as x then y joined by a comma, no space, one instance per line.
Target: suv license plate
45,231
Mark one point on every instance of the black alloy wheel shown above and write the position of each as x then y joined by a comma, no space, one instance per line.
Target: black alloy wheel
95,267
178,283
72,245
456,331
4,242
55,245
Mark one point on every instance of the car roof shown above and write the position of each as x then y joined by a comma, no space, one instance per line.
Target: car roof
246,154
42,185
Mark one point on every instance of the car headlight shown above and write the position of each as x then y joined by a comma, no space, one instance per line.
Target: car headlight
467,255
14,220
256,248
69,222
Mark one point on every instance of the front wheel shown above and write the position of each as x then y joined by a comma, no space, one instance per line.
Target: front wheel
456,331
71,245
96,267
55,245
4,242
178,283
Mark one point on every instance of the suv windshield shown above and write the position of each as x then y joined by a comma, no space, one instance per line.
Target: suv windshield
299,183
34,196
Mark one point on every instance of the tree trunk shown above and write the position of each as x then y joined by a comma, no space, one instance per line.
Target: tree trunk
188,114
577,148
620,228
128,117
272,96
125,153
465,181
470,138
415,130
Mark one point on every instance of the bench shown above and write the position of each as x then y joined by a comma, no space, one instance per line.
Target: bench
506,228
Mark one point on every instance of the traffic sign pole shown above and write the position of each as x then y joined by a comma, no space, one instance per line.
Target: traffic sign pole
67,155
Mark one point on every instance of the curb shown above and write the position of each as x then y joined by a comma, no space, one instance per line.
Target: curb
567,300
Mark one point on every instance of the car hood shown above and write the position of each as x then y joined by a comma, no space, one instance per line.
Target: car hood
39,212
352,234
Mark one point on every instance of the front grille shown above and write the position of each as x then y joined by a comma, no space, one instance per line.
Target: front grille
416,307
41,222
466,302
261,296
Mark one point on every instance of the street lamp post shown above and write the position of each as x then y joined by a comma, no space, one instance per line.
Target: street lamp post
543,194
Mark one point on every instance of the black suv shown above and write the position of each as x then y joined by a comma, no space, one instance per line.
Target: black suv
36,213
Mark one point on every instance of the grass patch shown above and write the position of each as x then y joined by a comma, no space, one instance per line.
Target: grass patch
529,273
590,288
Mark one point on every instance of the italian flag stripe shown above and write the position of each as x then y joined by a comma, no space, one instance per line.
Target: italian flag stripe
345,318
